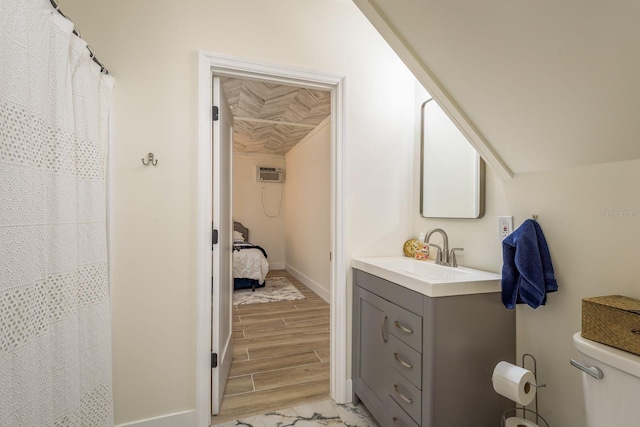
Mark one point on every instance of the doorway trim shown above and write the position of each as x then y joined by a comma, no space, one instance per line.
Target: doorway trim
220,65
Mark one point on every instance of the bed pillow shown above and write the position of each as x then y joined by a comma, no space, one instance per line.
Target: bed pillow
237,236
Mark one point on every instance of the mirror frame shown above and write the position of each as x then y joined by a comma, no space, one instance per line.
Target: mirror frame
480,178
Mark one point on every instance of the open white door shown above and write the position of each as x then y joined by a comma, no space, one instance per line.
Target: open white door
222,271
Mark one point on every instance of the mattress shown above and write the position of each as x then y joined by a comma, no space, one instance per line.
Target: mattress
249,262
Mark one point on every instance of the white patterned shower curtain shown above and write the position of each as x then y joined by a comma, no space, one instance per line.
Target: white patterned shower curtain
55,336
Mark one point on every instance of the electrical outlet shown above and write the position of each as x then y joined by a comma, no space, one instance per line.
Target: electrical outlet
505,226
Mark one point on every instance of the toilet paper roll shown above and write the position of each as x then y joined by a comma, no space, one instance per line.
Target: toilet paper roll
514,382
519,422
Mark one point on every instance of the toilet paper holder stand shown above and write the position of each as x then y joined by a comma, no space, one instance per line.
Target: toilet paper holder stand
514,411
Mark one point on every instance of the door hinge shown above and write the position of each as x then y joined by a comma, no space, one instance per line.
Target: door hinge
214,360
214,113
214,237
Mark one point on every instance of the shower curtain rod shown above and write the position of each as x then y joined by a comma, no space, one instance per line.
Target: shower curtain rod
103,69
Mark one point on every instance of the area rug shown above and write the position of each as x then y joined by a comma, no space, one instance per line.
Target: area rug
276,289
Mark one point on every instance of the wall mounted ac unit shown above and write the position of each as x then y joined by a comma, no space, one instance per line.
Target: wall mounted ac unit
265,174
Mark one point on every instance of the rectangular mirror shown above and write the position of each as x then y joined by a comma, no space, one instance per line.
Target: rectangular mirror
451,171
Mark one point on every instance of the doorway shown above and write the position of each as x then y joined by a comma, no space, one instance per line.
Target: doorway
281,146
215,65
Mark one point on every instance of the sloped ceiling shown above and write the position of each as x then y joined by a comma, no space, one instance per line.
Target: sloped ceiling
548,84
272,118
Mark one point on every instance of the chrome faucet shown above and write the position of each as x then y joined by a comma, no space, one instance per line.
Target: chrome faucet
453,262
442,256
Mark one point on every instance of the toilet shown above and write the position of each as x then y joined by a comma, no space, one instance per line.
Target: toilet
613,400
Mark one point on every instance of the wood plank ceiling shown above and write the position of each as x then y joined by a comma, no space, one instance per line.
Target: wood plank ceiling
271,118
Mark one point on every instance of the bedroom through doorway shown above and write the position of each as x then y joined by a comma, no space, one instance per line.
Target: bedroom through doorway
281,209
208,342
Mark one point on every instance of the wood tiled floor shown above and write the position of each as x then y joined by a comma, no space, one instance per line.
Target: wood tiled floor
281,355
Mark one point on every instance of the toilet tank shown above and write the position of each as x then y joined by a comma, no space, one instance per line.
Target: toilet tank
613,400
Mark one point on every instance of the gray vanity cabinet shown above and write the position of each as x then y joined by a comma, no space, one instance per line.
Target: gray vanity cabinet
422,361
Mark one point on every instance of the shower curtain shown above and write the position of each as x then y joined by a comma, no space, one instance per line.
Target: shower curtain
55,338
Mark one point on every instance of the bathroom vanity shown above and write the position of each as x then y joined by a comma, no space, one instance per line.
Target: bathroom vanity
426,339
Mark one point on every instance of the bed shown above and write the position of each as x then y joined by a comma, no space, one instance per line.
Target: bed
250,266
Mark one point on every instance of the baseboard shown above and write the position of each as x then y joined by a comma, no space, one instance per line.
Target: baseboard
179,419
314,286
349,391
276,266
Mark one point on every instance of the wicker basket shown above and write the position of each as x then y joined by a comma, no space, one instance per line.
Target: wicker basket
613,320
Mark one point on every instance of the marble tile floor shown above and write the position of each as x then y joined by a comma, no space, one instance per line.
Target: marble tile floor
323,413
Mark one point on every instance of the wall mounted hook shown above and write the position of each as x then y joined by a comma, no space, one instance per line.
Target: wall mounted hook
150,160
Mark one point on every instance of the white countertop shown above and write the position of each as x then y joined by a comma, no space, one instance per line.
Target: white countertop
428,278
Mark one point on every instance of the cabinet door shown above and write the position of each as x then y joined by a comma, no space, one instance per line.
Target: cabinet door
371,333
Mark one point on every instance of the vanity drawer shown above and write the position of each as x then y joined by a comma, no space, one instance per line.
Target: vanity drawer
395,416
405,360
406,326
405,394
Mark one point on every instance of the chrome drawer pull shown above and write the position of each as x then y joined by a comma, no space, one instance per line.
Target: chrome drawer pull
402,362
383,326
402,396
593,371
403,328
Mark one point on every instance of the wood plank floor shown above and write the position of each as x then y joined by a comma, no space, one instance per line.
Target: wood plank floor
281,355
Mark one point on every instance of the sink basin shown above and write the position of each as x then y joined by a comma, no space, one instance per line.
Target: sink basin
431,271
429,278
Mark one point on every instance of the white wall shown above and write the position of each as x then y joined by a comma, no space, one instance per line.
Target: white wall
152,51
265,222
308,210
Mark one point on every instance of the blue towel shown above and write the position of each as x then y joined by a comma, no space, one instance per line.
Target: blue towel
527,272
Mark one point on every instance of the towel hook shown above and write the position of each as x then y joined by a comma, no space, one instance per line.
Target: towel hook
150,161
534,217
